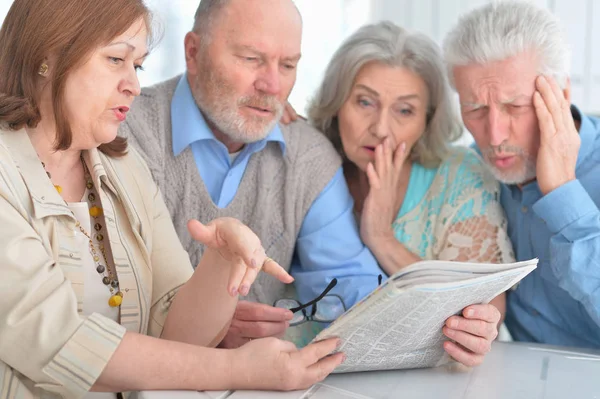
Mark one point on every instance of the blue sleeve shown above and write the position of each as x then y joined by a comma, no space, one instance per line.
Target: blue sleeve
329,246
574,221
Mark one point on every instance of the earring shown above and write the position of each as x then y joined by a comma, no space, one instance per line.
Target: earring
43,69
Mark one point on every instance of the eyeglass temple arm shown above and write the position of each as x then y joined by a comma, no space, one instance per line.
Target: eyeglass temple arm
317,299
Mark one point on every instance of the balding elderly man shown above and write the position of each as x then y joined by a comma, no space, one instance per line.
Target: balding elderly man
213,143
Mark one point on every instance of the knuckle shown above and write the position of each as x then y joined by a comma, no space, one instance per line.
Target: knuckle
454,319
258,313
483,347
467,361
495,313
472,361
493,333
482,328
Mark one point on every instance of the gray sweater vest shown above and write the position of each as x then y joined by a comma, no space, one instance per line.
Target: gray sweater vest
274,195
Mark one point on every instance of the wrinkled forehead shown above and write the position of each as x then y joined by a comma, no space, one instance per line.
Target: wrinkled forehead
502,80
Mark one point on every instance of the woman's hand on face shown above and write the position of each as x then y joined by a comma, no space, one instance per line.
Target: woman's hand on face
273,364
236,244
379,208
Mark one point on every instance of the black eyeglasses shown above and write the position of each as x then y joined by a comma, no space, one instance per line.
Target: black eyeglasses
317,299
329,308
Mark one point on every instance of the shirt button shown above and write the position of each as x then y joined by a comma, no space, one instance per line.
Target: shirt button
70,255
43,198
524,209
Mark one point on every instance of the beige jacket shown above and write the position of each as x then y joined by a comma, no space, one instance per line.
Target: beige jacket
47,349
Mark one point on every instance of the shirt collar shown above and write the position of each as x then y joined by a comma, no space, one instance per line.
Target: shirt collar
189,126
587,134
46,200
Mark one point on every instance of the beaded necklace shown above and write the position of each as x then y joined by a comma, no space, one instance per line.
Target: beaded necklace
109,278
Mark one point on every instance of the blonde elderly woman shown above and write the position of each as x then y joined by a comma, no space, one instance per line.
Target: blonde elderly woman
385,104
97,291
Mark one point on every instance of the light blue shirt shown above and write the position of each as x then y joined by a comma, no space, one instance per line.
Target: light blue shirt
328,245
559,302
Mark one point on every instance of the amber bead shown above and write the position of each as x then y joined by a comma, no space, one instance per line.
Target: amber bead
95,211
115,301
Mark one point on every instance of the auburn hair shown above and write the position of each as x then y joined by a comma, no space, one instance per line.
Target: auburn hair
69,30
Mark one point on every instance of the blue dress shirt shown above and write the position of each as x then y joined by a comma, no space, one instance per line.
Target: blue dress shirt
559,302
328,245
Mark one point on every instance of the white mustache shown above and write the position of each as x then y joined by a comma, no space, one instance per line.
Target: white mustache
269,103
503,149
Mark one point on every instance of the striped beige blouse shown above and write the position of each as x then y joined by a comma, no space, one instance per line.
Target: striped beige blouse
47,348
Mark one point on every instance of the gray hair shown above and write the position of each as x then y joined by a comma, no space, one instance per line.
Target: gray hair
501,30
389,44
205,15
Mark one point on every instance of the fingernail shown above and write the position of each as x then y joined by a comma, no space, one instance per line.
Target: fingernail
448,332
454,323
338,345
244,289
470,313
289,315
403,146
234,291
344,357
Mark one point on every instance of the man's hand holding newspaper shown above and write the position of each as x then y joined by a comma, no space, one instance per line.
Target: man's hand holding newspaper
473,333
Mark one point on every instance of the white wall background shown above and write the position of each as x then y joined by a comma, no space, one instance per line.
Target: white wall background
328,22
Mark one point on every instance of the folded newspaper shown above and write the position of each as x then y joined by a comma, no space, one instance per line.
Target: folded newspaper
399,325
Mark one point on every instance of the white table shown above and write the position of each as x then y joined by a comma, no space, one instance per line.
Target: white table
510,370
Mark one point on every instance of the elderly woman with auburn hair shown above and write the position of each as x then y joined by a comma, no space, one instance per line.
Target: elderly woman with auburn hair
97,292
